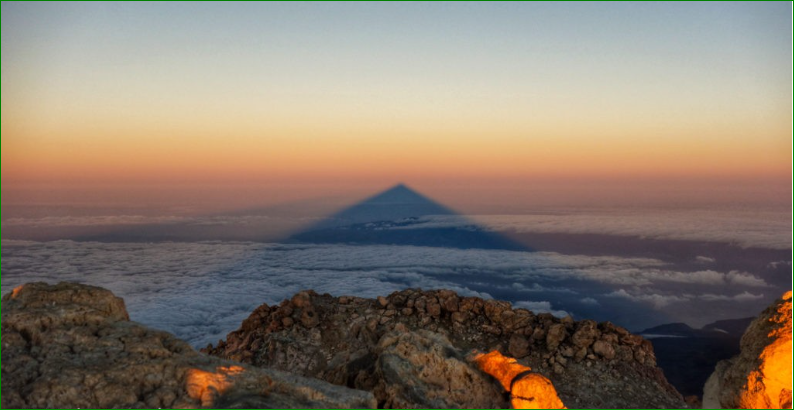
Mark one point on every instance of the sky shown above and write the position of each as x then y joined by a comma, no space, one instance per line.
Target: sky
289,101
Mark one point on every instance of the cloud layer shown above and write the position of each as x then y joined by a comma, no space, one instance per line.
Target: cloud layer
660,301
201,291
764,228
744,227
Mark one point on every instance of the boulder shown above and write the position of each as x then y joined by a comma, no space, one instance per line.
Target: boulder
519,346
73,346
555,336
760,376
604,349
302,300
382,301
528,389
586,333
422,369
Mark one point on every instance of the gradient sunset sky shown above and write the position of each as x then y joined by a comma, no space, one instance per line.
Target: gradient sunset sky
369,94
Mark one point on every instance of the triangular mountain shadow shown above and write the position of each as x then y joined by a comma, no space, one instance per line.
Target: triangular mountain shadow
393,217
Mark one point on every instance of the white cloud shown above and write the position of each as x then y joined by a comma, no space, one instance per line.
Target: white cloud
589,301
741,297
745,279
659,301
777,264
705,277
704,259
540,307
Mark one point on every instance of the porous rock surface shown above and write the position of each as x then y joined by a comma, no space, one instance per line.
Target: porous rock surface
73,346
409,349
759,377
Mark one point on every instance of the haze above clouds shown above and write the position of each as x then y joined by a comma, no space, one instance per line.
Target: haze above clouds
761,227
751,227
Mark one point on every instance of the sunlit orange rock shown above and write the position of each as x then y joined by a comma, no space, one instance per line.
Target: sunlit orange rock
760,376
16,291
770,385
528,390
207,386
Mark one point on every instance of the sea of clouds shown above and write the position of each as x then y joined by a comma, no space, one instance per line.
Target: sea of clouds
745,227
768,227
200,291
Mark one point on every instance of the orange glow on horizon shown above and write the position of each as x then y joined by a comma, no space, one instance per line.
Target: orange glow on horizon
353,158
84,102
223,147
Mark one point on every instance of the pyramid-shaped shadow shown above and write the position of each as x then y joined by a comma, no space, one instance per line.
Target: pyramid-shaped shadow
399,216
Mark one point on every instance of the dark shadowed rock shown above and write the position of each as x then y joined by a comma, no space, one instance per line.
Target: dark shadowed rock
604,349
555,335
586,333
73,346
519,346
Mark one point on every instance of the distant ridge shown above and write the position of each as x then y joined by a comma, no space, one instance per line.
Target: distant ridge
721,328
688,355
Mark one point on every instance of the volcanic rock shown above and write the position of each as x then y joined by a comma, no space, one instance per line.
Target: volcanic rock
527,389
586,333
423,370
353,345
519,346
604,349
555,336
73,346
760,376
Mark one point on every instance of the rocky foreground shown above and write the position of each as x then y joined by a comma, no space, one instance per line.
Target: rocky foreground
410,350
71,345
